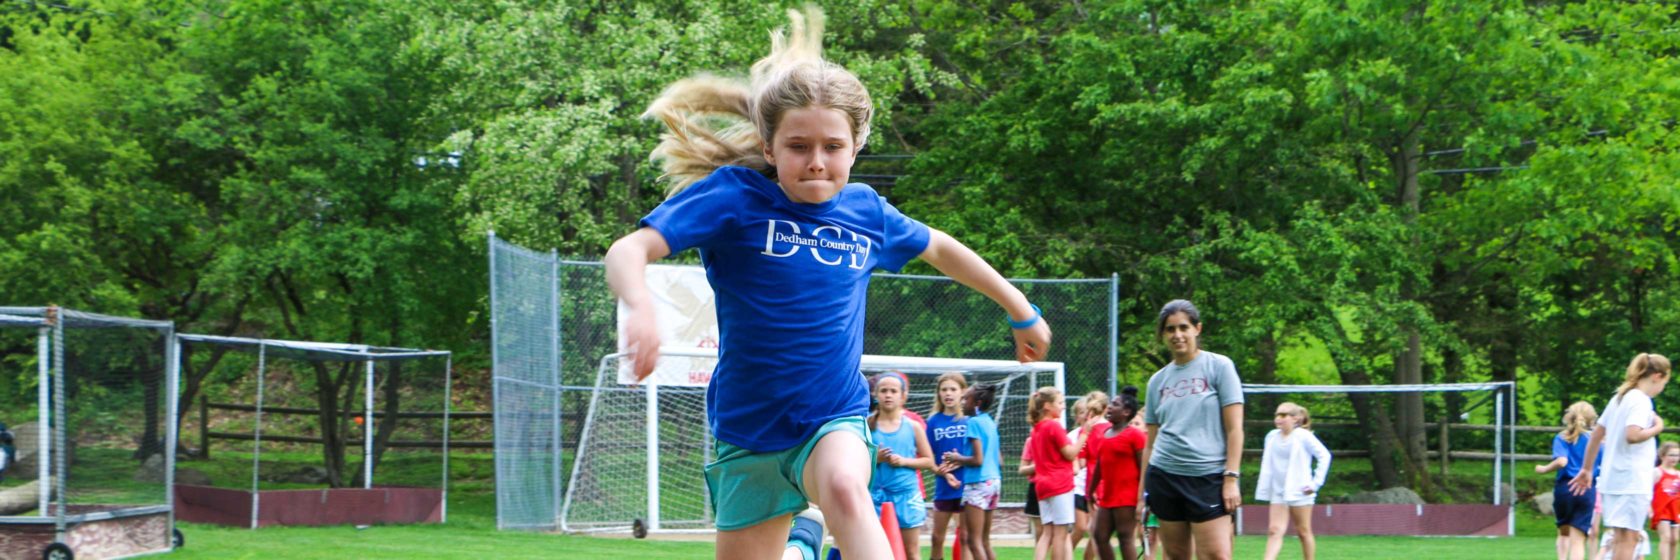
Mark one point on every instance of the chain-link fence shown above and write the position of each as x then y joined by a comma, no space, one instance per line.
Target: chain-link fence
91,459
553,320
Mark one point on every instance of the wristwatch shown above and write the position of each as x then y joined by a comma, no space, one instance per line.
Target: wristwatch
1233,474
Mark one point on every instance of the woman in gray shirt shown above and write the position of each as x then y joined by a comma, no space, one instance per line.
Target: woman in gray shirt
1194,412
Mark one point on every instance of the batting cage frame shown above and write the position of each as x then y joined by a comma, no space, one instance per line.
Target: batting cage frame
366,505
122,363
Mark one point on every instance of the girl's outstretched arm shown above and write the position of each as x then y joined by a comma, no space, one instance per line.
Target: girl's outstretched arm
627,262
956,260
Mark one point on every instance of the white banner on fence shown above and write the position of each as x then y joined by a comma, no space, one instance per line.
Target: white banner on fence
687,313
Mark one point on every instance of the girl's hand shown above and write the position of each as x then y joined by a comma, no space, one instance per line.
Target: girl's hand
1032,344
641,336
951,456
1581,483
1308,490
895,460
1233,495
883,455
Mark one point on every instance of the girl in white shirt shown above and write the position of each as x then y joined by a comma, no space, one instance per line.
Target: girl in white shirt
1288,479
1628,430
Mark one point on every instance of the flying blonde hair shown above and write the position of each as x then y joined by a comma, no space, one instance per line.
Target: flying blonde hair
1578,419
711,121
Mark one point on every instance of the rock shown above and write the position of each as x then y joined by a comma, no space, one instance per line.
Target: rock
20,499
192,477
303,475
152,470
1543,503
27,443
1507,494
1396,495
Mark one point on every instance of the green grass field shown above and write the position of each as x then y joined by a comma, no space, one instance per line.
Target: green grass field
471,533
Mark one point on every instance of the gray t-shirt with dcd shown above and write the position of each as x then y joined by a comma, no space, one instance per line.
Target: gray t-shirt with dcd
1186,402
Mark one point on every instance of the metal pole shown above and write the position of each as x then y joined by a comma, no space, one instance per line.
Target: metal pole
1511,527
60,423
367,431
653,455
1113,334
43,422
256,434
448,369
1498,442
495,384
172,365
1061,385
554,353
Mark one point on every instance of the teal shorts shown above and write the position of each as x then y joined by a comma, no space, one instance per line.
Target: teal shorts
750,488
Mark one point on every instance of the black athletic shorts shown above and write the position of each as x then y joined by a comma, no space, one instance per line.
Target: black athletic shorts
1031,510
1185,498
1079,504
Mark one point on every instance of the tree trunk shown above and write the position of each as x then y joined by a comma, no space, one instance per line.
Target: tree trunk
1408,366
1267,352
388,417
332,438
1373,417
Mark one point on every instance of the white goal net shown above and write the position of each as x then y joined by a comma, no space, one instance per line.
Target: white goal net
643,447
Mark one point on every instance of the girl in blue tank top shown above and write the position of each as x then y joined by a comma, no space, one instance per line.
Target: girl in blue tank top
902,448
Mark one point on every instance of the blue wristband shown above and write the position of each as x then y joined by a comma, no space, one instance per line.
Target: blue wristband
1013,324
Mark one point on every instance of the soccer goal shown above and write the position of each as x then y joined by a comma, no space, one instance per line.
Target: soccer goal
1468,434
639,460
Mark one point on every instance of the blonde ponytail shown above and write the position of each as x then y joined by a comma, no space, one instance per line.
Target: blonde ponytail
1035,403
1642,366
1578,419
712,121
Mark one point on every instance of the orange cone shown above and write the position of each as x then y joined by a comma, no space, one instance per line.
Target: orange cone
889,523
956,544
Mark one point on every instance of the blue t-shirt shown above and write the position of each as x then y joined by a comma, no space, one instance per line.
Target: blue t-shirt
983,428
1577,454
902,442
946,433
790,281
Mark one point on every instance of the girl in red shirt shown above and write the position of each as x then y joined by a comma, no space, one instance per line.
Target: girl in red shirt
1053,454
1114,478
1665,501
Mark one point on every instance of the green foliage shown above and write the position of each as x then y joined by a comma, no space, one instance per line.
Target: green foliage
1297,168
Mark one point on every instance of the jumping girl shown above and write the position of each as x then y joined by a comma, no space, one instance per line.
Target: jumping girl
758,176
